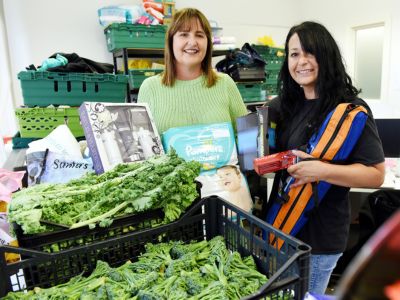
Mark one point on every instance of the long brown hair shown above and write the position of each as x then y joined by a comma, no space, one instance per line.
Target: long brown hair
183,19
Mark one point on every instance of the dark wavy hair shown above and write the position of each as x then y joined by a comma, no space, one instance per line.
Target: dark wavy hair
333,84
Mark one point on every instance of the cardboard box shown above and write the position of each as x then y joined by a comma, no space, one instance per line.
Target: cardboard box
119,133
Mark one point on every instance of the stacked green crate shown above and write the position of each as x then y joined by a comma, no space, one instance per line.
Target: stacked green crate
136,40
42,91
137,76
135,36
274,58
252,91
38,122
56,88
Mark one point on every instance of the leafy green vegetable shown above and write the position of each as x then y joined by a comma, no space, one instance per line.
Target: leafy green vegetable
165,271
166,182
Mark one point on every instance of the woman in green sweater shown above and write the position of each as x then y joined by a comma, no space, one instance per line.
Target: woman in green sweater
189,91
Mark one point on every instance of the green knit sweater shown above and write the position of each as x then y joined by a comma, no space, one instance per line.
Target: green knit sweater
190,102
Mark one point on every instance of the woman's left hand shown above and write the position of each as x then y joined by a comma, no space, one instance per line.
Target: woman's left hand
305,171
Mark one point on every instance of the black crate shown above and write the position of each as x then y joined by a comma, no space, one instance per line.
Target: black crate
63,239
286,268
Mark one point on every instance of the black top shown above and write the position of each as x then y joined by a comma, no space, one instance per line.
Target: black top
327,230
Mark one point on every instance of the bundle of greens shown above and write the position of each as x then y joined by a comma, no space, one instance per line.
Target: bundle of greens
199,270
166,182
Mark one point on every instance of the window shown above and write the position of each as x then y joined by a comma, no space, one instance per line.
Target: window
369,41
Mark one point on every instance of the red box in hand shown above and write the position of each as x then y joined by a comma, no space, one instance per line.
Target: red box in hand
274,162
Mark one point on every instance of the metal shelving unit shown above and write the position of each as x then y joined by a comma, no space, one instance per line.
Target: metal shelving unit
126,53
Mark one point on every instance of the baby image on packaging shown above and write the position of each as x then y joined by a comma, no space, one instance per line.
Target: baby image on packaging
228,183
234,187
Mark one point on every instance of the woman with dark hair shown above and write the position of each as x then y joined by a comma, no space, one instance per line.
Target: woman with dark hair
312,82
189,91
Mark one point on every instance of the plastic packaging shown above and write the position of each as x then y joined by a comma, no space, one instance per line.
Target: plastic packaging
224,40
111,14
53,62
120,14
2,151
133,13
274,162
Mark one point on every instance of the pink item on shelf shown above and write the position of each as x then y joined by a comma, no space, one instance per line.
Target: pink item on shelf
155,14
144,20
9,182
152,4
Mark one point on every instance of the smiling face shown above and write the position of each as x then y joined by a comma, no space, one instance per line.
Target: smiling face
303,67
190,48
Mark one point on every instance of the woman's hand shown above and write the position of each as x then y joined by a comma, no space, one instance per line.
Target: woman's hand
305,171
353,175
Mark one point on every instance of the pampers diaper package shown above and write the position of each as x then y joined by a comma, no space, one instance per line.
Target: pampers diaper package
213,145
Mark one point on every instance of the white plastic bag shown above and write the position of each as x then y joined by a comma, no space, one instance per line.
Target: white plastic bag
50,167
57,158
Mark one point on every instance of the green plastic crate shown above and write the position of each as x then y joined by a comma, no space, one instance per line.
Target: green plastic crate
272,77
252,92
46,88
274,65
271,89
19,142
269,53
137,76
121,35
38,122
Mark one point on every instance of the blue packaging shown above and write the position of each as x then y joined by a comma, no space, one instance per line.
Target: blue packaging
213,145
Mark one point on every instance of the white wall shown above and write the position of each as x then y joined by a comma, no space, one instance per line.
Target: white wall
8,125
36,29
340,16
248,20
